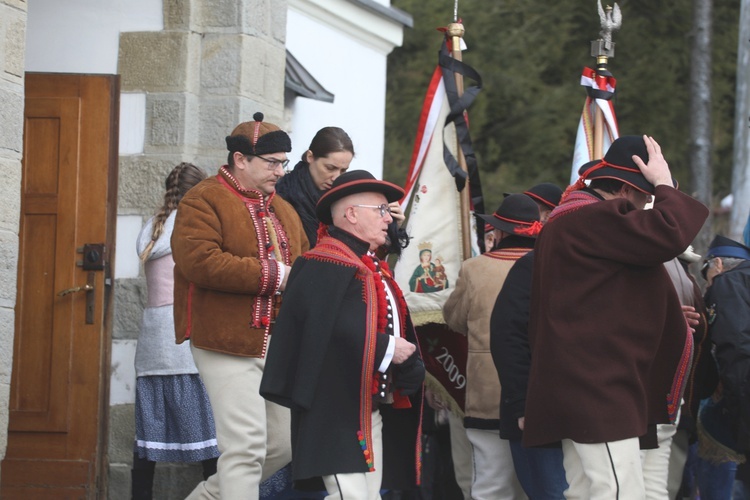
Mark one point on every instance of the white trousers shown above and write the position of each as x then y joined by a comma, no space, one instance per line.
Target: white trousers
603,471
494,474
655,463
461,454
360,485
253,434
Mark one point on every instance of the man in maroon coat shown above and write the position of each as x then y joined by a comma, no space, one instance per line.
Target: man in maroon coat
610,344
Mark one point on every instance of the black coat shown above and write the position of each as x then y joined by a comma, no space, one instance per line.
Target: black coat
324,354
728,303
509,344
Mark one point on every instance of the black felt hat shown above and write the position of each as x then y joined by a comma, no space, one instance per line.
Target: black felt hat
721,246
353,182
517,214
546,193
618,164
258,138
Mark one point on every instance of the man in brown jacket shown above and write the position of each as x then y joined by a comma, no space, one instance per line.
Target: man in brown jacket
233,244
610,344
467,311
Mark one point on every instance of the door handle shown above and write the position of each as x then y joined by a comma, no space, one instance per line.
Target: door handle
75,289
89,289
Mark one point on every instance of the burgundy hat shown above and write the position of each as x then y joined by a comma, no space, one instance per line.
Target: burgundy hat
618,164
353,182
517,214
258,138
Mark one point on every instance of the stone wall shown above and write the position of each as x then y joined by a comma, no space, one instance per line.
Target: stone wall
12,49
215,64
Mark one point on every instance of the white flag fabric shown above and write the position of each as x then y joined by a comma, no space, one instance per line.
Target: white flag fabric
428,268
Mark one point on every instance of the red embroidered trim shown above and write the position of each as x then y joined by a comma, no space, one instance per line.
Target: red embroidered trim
674,398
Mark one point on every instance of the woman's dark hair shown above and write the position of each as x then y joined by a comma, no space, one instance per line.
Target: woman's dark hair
329,140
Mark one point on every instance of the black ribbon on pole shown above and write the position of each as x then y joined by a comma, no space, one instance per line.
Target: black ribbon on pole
458,104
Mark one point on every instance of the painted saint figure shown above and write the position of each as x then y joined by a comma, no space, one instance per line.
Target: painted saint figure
428,277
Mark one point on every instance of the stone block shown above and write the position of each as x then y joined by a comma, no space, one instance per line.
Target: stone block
7,332
218,117
171,121
278,21
118,481
221,64
257,17
130,299
10,194
163,61
275,66
11,120
141,182
175,481
8,266
178,15
15,44
121,434
223,16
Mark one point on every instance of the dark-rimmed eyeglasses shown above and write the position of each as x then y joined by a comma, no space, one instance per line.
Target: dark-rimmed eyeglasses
705,267
384,208
273,163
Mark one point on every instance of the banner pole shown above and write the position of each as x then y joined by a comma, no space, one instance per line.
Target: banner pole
455,31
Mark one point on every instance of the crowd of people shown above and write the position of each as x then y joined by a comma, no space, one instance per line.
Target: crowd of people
278,350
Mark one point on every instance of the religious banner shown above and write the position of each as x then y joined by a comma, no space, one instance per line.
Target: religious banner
428,268
600,89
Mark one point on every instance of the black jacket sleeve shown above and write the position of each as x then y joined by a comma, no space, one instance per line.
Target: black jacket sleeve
509,339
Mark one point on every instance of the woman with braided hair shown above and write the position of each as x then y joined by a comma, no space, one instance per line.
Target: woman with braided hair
173,418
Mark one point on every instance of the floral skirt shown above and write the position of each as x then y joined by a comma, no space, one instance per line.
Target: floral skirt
173,419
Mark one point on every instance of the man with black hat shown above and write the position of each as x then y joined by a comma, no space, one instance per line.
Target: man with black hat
467,311
547,197
727,271
233,244
345,356
610,344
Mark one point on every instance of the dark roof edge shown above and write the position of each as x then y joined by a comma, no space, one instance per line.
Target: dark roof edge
299,80
390,12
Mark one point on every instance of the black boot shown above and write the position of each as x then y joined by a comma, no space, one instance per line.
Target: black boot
142,478
209,467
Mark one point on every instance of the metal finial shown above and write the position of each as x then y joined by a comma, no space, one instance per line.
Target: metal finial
610,20
455,11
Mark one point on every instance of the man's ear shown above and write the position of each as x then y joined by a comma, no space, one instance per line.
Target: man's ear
237,156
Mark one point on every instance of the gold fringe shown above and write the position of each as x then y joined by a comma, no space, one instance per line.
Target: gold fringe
420,318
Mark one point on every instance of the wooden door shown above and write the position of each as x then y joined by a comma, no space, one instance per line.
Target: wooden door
59,396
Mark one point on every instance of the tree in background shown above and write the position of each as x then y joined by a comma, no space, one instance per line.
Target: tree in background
741,170
700,115
530,55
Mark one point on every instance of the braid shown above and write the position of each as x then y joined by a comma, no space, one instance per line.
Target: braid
178,182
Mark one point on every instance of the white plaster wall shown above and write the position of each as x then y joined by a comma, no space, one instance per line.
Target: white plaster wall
355,74
82,36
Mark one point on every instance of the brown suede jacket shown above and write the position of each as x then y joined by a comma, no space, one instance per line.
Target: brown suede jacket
226,283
